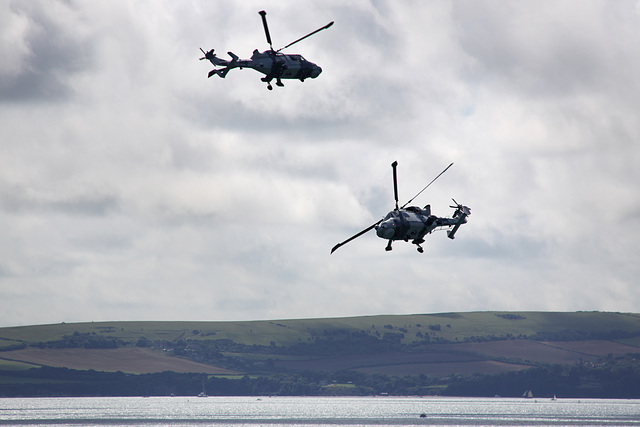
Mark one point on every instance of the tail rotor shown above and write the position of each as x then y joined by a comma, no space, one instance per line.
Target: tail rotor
228,65
460,209
207,55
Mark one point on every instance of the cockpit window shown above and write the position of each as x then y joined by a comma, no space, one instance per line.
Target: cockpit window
392,214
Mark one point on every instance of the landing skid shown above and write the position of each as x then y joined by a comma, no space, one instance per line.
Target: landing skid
268,81
417,243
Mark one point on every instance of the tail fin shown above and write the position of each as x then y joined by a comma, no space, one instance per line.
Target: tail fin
211,57
228,65
222,72
461,213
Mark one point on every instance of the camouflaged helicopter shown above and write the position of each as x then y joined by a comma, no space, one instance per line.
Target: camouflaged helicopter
272,63
413,223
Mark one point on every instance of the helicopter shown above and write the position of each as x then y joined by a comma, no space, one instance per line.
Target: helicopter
272,63
412,222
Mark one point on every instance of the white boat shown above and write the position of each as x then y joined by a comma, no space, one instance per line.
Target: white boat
203,393
527,394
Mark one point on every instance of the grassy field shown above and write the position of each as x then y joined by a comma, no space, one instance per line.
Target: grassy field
457,342
130,360
448,326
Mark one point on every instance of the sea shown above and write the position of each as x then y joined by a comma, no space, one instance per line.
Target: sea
317,411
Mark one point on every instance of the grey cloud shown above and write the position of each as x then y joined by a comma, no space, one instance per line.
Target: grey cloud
19,199
56,52
549,48
152,179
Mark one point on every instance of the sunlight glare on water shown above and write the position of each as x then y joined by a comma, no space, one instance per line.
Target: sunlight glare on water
320,411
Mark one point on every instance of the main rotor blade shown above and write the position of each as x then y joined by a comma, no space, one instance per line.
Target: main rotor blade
355,236
308,35
263,14
427,186
395,182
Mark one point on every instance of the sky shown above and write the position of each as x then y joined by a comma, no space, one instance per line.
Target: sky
133,187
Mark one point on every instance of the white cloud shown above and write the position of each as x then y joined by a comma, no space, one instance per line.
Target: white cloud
133,187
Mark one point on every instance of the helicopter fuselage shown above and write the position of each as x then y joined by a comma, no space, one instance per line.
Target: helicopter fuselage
283,66
274,65
413,223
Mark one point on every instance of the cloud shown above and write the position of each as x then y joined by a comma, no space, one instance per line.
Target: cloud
134,187
43,48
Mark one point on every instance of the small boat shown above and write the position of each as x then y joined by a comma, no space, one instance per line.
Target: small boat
554,398
203,393
527,394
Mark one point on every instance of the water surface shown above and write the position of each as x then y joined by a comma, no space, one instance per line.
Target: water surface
318,411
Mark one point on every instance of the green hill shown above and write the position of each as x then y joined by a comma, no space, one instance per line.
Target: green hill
443,327
441,346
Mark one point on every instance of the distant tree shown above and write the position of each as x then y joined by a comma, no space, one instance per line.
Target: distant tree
143,342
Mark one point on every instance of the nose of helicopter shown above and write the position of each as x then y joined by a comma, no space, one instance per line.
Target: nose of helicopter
315,71
386,230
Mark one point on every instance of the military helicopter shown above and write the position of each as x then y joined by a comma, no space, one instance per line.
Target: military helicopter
404,223
272,63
